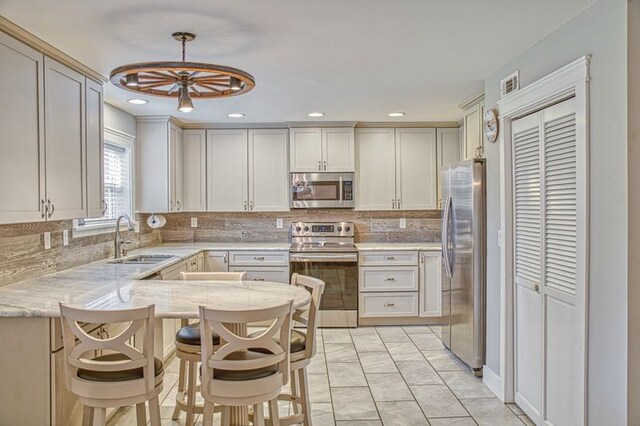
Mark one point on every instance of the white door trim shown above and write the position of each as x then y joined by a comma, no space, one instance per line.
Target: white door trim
571,80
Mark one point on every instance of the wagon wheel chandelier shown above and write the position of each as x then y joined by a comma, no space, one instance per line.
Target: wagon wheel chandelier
183,80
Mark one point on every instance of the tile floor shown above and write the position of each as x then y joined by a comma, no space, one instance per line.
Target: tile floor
381,375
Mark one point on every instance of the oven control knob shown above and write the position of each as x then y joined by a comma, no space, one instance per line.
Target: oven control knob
339,228
298,228
347,229
306,228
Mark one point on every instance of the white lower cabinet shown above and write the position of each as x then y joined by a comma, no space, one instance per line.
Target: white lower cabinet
430,284
261,265
381,278
396,304
264,273
217,261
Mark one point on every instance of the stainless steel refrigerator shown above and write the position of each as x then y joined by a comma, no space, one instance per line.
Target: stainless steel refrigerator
463,266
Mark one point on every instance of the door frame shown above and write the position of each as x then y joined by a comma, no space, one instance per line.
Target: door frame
569,81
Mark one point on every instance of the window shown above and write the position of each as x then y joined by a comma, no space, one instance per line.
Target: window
118,183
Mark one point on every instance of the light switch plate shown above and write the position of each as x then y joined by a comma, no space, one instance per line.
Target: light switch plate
403,223
47,240
194,222
279,223
65,237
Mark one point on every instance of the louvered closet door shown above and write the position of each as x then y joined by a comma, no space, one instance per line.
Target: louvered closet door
527,246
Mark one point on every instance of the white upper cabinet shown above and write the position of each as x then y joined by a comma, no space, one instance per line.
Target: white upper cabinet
95,149
227,170
328,149
176,189
396,169
449,151
22,188
194,170
268,185
473,133
376,169
65,141
416,169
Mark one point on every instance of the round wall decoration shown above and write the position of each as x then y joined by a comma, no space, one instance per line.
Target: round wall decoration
490,125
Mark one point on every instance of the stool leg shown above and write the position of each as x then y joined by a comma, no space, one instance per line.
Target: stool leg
87,415
141,414
226,416
294,391
99,416
207,416
274,414
258,414
304,396
154,411
191,392
181,380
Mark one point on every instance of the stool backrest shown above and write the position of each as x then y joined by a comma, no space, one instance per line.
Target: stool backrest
79,346
227,324
308,315
213,276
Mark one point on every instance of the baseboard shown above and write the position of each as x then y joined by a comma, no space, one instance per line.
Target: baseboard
492,381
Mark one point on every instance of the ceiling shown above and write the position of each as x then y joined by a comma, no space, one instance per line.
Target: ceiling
354,60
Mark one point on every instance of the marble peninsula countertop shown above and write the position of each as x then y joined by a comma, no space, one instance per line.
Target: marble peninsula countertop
105,285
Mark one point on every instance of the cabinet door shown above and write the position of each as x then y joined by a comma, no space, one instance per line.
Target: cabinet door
95,149
217,261
430,284
22,124
306,150
153,157
376,169
448,152
175,169
227,170
194,166
268,185
337,150
64,141
472,122
416,169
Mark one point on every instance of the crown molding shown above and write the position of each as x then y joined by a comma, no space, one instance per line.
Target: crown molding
45,48
474,100
231,126
407,124
321,123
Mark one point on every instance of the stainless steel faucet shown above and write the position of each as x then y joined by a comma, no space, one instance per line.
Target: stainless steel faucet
117,242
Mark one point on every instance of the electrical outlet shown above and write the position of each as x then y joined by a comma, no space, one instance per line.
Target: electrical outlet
194,222
403,223
65,237
279,223
47,240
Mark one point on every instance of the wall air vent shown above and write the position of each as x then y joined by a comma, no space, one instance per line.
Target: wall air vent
510,84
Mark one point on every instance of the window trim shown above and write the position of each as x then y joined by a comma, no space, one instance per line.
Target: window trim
127,141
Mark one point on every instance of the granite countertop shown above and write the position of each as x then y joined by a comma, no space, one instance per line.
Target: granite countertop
399,246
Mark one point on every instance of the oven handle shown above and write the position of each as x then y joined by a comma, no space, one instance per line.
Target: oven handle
340,202
324,257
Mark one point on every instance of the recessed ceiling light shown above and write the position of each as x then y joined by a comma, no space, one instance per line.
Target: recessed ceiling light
316,114
396,114
138,101
235,115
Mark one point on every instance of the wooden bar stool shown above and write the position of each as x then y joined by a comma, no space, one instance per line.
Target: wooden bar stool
188,351
303,348
244,371
122,376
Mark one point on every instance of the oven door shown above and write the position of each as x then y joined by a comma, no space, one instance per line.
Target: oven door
339,271
321,190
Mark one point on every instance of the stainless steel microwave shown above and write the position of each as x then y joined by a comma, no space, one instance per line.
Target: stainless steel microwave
321,190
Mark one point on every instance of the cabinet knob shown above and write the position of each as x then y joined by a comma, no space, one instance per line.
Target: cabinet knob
389,304
393,204
389,258
258,279
390,279
258,258
320,165
50,207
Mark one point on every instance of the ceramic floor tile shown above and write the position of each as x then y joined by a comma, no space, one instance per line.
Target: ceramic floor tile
465,385
401,413
437,330
353,403
369,343
359,423
438,401
317,364
392,334
322,414
526,420
361,331
426,342
404,351
336,335
514,407
388,387
319,388
346,374
443,360
453,421
340,352
490,411
416,329
418,373
377,362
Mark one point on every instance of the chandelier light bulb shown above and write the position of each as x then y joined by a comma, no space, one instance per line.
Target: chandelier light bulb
184,101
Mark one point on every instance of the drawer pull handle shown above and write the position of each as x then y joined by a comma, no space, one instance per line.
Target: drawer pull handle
258,279
389,258
258,258
390,279
389,304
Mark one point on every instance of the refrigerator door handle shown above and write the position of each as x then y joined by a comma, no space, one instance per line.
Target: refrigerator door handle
445,239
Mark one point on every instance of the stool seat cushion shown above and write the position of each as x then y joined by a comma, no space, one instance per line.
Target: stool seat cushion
117,376
190,335
241,375
298,341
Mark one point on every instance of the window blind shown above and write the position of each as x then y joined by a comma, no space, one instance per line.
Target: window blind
117,180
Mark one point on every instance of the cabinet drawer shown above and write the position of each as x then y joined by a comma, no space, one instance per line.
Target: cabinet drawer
173,272
374,305
388,258
250,258
381,278
273,274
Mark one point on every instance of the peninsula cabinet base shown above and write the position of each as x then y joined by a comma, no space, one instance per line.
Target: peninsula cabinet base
401,321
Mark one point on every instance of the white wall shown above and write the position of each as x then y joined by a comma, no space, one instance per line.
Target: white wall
117,119
602,31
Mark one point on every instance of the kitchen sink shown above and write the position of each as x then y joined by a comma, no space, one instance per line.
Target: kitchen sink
143,259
